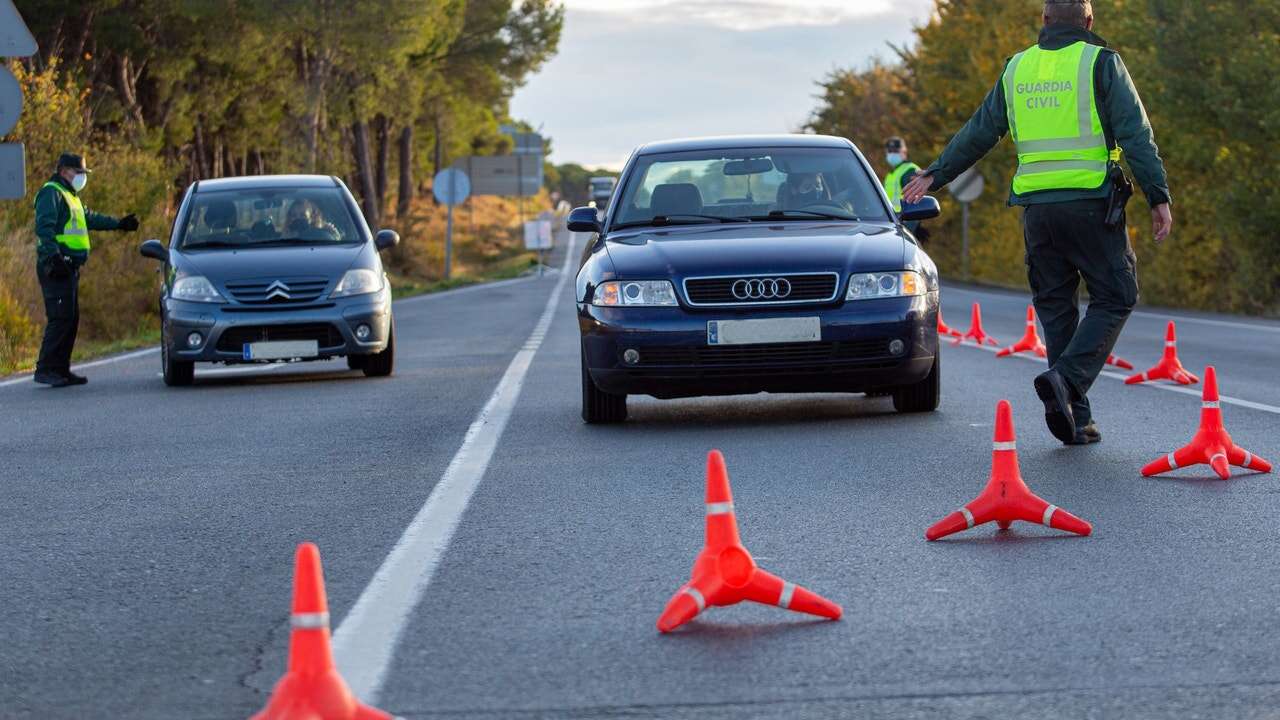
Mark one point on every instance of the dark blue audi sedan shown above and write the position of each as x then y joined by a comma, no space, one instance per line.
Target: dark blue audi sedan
754,264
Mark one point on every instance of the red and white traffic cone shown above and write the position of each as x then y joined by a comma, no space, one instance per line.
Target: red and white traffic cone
725,573
1006,497
943,329
1030,341
312,689
1169,367
1119,362
1212,444
975,330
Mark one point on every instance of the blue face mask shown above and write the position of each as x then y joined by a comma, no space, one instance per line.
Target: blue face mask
894,159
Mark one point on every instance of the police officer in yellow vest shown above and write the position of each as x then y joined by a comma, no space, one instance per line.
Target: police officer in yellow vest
62,228
1072,110
901,172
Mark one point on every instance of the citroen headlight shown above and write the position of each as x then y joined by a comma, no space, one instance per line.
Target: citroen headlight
195,288
867,286
635,293
360,281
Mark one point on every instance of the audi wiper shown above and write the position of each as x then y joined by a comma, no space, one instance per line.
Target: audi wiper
682,219
791,215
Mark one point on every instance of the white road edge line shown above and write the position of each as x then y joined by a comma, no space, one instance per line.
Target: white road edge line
1153,385
365,643
26,377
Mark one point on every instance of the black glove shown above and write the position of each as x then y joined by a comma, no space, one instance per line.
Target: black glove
60,267
128,223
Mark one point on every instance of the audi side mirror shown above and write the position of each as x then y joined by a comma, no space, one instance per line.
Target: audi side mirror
923,210
584,219
386,239
155,250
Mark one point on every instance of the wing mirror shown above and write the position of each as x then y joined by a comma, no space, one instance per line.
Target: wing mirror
386,239
923,210
584,219
155,250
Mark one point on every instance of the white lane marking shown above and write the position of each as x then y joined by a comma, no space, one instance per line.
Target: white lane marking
1162,316
104,361
365,643
1157,386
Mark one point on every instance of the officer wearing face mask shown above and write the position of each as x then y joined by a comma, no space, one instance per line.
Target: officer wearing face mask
62,248
901,171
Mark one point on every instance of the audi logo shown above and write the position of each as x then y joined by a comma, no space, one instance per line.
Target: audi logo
761,289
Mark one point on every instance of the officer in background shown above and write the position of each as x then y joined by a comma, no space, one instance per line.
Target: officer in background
901,172
1071,108
62,248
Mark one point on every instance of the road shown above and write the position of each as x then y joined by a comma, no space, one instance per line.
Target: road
524,556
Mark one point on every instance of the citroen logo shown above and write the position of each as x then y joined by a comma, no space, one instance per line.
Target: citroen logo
278,289
761,289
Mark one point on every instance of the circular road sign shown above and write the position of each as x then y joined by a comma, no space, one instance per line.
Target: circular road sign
451,186
968,186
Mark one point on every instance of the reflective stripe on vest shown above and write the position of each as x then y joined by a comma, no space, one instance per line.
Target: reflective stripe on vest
1053,119
75,235
893,183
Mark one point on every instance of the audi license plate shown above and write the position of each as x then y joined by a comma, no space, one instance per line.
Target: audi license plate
281,350
766,330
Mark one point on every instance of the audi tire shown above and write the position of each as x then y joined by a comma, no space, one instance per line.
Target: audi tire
598,406
923,396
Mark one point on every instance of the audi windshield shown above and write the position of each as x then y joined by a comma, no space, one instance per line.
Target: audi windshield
749,185
268,217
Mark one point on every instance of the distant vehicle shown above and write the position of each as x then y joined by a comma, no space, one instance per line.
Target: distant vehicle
273,269
602,190
754,264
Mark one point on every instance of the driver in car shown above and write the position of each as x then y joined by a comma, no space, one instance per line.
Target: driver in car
305,221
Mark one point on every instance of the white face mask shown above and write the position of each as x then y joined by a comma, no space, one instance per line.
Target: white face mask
78,182
894,159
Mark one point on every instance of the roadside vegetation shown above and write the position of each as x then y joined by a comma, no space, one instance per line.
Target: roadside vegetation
159,94
1216,116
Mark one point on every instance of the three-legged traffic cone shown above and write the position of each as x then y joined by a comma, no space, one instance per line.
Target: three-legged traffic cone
975,330
1030,339
943,329
1169,367
1119,362
1006,497
1212,444
312,689
725,574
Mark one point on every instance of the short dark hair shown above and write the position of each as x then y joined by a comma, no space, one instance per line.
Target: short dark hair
1068,12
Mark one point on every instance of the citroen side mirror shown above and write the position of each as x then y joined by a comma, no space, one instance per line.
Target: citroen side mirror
155,250
386,239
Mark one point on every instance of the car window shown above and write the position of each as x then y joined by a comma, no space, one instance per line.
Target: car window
791,183
268,216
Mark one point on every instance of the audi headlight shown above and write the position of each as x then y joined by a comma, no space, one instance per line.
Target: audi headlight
635,293
867,286
360,281
195,288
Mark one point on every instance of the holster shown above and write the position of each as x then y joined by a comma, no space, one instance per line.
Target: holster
1121,191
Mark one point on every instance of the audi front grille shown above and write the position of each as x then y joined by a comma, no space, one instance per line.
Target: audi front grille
782,289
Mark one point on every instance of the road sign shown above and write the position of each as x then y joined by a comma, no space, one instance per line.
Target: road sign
968,186
15,38
503,175
537,235
13,171
10,100
451,186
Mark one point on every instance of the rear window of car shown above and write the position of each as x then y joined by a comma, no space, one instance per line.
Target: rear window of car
268,216
750,182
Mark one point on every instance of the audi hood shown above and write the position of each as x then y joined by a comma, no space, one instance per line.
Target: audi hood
693,251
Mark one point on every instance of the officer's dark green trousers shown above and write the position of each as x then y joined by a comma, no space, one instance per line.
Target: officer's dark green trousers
1066,242
62,310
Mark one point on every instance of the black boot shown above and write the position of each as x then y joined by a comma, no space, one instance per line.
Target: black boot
52,379
1053,391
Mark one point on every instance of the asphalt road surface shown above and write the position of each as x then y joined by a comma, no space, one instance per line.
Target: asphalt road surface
488,555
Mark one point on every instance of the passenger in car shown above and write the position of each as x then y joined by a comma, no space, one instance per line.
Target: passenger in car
304,220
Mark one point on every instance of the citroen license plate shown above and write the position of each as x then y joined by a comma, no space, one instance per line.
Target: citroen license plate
281,350
764,330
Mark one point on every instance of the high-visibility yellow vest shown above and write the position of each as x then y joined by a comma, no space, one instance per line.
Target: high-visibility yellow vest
1053,119
75,234
893,183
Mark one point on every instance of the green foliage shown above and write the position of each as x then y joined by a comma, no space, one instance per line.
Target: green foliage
1216,115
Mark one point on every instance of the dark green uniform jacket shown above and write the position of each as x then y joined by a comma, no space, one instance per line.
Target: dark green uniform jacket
1124,122
52,215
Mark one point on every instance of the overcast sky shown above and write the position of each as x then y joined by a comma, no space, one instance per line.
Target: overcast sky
631,71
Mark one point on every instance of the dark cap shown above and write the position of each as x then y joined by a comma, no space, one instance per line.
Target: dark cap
73,161
895,143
